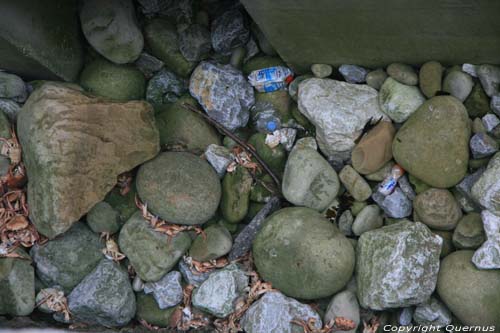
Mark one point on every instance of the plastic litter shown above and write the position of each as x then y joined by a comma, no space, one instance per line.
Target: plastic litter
271,78
391,181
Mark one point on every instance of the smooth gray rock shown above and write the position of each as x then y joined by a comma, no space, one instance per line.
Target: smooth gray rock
398,100
486,190
103,218
437,208
17,286
368,219
223,92
353,73
218,294
105,297
190,275
273,313
405,316
405,186
469,233
167,291
490,122
403,73
165,87
489,76
458,84
339,110
229,31
376,78
432,312
344,304
470,69
321,70
486,257
179,187
345,222
465,186
148,64
195,42
395,205
309,180
10,108
151,253
482,145
12,87
66,260
355,184
397,265
111,28
219,158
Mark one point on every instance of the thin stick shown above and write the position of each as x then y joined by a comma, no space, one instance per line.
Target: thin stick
242,143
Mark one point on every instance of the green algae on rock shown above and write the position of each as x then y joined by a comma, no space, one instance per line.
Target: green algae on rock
302,254
433,144
236,187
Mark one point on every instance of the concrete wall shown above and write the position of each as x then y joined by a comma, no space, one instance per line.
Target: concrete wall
375,33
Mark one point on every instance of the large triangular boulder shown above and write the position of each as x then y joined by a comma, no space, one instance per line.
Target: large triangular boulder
74,147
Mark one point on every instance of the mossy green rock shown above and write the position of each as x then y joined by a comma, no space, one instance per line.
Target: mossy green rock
385,282
309,180
179,187
280,100
302,254
433,144
274,157
216,243
236,187
41,39
151,253
123,204
478,103
66,260
148,310
472,295
118,82
103,218
162,38
17,286
261,62
181,129
260,189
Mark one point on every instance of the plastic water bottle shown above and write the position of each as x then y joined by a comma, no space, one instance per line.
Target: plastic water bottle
271,78
391,181
265,119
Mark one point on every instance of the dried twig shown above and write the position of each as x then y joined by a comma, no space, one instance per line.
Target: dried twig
236,139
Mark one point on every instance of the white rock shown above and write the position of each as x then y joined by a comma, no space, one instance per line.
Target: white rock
398,100
339,110
486,257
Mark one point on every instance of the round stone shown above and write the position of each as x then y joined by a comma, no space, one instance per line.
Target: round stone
302,254
403,73
430,77
179,187
321,70
103,218
438,209
472,295
120,82
433,144
458,84
376,78
216,243
398,100
469,233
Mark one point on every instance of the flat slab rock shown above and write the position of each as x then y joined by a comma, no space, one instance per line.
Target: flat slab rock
397,265
74,153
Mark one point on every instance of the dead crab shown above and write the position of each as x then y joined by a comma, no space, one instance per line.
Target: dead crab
244,159
18,230
162,226
183,318
11,148
337,324
53,300
8,250
15,176
112,251
207,266
371,326
124,183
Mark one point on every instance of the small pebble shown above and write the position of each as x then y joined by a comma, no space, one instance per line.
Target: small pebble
495,104
396,204
490,121
355,184
353,73
345,223
458,84
482,145
321,70
376,78
489,76
470,69
486,257
403,73
430,77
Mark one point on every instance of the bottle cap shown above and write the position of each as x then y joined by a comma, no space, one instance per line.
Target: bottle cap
271,126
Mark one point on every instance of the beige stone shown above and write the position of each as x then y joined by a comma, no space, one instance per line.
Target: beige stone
375,149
